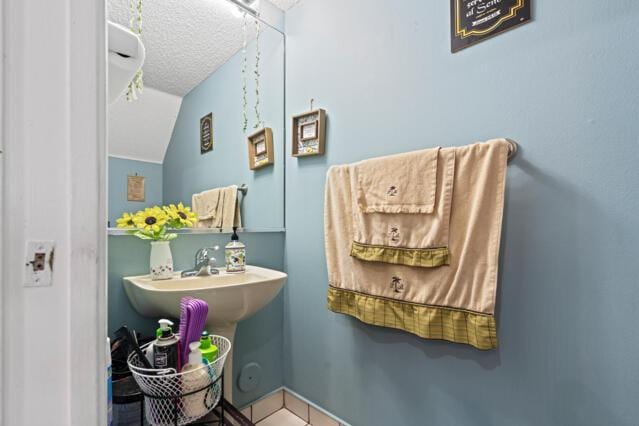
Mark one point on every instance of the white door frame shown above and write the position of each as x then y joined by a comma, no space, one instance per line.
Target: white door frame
53,181
2,281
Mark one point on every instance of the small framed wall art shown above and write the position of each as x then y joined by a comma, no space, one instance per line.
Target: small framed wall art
260,146
135,188
206,133
473,21
309,133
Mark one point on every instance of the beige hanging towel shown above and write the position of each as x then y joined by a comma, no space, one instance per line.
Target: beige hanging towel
411,226
208,206
231,212
403,183
217,208
454,302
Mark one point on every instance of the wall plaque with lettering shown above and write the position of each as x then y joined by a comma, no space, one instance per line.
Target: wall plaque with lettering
206,133
473,21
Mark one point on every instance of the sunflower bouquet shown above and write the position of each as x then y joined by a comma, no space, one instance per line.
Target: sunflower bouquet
154,223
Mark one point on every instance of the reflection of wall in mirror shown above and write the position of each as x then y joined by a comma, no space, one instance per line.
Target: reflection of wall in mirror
186,171
120,169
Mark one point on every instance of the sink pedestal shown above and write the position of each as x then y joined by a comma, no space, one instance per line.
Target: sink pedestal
228,331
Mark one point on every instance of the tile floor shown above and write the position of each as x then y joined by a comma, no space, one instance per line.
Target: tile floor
282,417
285,409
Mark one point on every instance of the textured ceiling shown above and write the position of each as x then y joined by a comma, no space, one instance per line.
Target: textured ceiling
186,40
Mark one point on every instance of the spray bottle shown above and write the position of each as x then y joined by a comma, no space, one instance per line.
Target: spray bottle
165,347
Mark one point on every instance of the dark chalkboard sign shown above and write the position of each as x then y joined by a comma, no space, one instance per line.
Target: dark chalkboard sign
473,21
206,133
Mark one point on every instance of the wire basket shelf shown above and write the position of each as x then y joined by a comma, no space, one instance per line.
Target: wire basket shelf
172,398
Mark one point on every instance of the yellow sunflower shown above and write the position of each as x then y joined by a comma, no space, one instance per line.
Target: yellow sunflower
126,221
181,216
151,219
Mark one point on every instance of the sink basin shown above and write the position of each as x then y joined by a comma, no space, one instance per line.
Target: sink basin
231,297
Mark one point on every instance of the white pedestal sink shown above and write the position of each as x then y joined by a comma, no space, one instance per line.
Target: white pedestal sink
231,298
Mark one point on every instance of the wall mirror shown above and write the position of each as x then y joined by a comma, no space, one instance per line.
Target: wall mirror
212,77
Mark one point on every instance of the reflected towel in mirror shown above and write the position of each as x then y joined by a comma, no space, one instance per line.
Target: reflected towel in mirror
218,208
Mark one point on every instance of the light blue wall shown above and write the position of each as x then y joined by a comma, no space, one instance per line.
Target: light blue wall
187,171
258,339
119,169
565,87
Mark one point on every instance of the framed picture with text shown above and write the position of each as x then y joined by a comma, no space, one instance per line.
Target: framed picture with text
473,21
309,133
206,133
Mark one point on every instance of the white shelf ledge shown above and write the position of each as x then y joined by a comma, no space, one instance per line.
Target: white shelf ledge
203,231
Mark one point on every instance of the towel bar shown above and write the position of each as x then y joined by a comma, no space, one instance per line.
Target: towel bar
244,188
512,148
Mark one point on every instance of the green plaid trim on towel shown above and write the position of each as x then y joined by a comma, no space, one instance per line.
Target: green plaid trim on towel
430,322
422,257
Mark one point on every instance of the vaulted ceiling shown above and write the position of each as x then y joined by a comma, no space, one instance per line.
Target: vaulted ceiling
185,40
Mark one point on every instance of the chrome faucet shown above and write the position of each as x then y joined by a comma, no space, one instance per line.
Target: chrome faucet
204,263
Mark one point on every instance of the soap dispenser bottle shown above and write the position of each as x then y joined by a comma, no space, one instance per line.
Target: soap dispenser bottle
235,254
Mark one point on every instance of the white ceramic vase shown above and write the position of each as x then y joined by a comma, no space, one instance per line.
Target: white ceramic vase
161,262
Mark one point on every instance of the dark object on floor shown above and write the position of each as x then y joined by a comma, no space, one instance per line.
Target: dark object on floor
127,403
126,391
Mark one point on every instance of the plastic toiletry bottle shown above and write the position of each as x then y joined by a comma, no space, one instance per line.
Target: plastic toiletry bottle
235,254
209,350
194,376
165,347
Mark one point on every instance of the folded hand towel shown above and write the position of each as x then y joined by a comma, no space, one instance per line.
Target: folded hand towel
208,207
217,208
403,183
407,238
455,303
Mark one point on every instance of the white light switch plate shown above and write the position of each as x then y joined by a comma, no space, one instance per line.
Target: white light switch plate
38,265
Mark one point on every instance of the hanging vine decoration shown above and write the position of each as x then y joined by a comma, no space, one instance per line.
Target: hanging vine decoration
244,74
136,85
258,117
